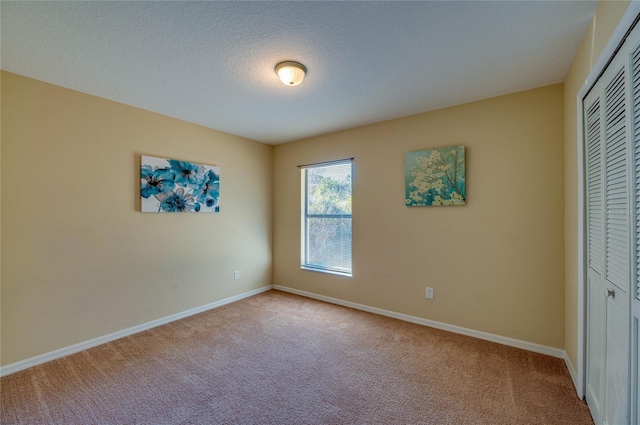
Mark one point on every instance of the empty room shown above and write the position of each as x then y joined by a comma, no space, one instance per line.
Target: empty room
345,212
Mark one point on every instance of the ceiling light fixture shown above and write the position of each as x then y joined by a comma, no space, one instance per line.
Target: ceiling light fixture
291,73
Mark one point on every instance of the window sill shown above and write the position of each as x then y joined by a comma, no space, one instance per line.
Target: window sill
337,273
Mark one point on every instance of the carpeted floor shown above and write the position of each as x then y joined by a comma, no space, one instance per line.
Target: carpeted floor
281,359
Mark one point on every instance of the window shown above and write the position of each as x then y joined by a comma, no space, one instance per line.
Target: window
326,223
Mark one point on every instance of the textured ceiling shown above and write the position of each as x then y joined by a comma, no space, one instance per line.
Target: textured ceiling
212,63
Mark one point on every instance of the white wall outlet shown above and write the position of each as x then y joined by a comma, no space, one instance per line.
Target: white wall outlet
236,275
430,293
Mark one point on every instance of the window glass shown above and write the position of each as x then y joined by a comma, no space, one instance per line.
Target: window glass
326,244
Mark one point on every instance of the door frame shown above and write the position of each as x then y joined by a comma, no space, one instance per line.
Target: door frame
607,54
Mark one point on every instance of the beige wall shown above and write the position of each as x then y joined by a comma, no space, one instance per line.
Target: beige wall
496,264
602,26
79,260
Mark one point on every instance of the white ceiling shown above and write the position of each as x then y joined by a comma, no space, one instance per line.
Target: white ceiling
212,63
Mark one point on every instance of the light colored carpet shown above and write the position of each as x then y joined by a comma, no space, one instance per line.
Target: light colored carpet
281,359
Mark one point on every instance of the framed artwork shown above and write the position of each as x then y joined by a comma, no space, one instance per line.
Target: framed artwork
435,177
169,185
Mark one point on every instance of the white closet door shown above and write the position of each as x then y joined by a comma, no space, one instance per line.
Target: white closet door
612,154
596,341
618,233
617,174
595,204
635,104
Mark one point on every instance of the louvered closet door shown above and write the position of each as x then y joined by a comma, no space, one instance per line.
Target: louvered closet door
616,126
635,160
612,160
617,239
596,340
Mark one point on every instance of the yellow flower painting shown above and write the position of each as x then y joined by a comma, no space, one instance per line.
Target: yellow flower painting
435,177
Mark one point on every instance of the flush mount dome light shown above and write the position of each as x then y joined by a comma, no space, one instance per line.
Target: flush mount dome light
291,73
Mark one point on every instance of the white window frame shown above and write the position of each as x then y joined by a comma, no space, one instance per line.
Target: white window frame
304,251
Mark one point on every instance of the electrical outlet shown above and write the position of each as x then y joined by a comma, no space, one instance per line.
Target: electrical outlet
236,275
430,293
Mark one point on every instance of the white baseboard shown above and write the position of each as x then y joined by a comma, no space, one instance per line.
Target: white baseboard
72,349
572,373
529,346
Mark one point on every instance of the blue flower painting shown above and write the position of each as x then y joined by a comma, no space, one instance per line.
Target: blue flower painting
169,185
435,177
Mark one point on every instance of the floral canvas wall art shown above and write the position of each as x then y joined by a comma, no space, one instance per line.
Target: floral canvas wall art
435,177
169,185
